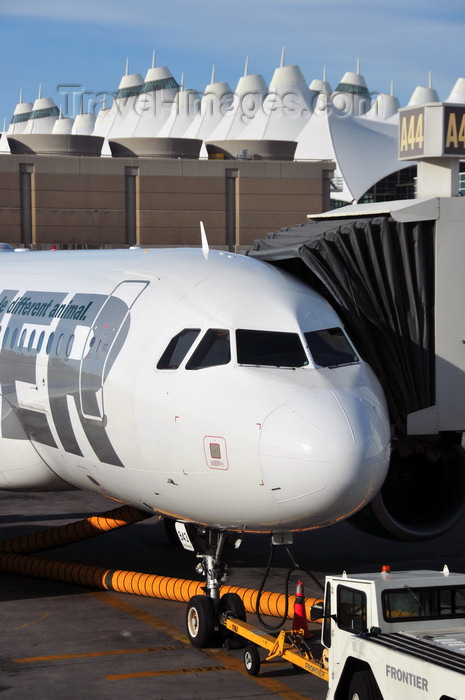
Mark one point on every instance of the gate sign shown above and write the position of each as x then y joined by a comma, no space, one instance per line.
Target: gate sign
454,130
412,132
431,131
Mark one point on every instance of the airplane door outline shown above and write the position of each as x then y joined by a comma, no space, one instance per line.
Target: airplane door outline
97,348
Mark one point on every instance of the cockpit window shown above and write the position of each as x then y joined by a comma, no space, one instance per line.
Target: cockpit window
214,349
177,349
270,348
329,347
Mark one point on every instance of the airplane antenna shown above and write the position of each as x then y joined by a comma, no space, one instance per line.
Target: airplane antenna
205,247
153,58
213,75
282,58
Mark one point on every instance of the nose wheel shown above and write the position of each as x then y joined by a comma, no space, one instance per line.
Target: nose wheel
204,612
200,621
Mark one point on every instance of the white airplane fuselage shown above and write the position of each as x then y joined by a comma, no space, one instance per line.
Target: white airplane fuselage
132,374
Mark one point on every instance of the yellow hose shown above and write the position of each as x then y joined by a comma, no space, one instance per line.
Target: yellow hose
74,532
16,558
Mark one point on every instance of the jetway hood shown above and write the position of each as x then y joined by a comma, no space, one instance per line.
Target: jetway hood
394,272
378,272
400,210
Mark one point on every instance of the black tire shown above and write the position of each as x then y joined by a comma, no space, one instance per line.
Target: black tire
363,687
251,660
200,621
232,603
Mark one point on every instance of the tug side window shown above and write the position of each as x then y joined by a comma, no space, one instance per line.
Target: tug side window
177,348
351,609
214,349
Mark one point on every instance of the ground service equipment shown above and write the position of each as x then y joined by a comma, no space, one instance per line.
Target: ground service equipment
385,636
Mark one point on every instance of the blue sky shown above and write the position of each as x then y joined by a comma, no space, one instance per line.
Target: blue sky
86,43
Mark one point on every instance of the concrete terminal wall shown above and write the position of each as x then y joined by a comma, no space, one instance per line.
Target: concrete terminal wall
86,201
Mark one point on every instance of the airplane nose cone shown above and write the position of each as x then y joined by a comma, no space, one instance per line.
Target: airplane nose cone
325,454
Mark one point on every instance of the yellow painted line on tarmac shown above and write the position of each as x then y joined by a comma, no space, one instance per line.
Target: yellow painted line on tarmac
92,654
271,684
32,622
167,672
227,661
151,620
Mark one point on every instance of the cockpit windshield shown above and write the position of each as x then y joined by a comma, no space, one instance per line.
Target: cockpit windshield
330,347
270,348
213,350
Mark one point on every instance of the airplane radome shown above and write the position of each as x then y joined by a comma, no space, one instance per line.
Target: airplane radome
213,389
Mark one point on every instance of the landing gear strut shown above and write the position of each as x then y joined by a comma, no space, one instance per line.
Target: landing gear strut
204,611
210,546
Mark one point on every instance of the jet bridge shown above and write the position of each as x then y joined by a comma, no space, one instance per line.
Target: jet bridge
394,272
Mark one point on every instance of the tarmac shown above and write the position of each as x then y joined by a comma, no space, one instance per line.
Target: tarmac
60,640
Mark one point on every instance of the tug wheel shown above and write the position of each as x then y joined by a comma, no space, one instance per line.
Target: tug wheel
200,620
251,660
363,687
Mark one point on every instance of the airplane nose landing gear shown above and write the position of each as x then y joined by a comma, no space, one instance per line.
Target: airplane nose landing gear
204,611
211,544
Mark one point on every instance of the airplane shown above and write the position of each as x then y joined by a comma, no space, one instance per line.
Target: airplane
206,387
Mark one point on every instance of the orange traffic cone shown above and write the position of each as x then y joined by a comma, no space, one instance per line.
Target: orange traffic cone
300,618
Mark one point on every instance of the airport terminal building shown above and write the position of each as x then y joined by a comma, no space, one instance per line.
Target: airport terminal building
151,161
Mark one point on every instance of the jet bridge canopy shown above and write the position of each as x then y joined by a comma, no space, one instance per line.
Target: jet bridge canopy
378,273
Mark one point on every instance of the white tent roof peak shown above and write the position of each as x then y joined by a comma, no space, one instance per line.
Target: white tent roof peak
321,86
288,75
63,125
458,92
22,107
250,84
353,83
423,94
43,103
157,73
128,81
350,78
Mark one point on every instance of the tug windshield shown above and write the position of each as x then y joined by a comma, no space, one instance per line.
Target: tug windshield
423,603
